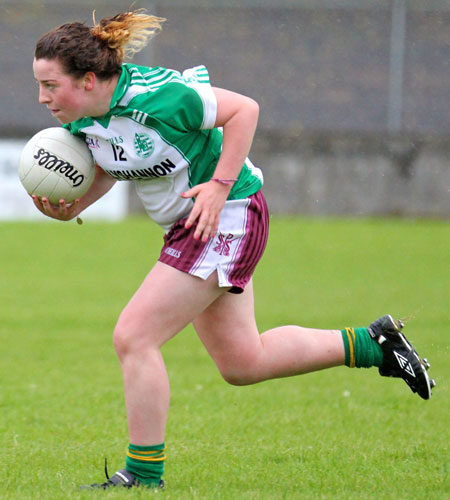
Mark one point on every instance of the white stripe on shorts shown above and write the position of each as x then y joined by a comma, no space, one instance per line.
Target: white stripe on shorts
221,251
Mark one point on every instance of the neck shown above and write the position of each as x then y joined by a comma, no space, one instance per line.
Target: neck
102,95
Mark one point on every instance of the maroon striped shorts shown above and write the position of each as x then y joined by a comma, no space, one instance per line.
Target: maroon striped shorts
233,252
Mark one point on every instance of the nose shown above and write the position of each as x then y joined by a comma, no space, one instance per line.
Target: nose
44,98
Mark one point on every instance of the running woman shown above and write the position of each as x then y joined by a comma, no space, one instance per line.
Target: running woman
185,144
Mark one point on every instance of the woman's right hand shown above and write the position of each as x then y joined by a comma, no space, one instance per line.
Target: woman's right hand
63,211
69,210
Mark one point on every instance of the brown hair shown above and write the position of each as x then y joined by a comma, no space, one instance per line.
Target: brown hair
100,49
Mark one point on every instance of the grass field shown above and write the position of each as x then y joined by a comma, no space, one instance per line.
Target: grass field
336,434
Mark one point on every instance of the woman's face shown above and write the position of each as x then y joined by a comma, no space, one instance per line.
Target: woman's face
64,96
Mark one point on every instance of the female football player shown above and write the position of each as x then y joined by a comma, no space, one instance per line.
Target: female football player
185,144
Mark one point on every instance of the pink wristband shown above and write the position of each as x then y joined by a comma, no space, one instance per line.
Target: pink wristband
226,182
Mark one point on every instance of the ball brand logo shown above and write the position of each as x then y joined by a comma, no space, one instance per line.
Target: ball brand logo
51,162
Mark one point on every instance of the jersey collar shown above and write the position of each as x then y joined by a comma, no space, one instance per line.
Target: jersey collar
121,87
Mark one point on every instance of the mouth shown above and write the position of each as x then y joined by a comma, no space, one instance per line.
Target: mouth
53,111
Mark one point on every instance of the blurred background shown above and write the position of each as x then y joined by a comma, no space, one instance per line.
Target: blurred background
354,95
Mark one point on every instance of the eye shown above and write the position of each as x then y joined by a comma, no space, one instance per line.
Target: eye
47,85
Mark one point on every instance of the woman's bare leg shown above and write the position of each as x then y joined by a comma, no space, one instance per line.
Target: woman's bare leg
165,303
229,332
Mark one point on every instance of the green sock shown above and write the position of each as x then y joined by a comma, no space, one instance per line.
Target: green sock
360,349
146,463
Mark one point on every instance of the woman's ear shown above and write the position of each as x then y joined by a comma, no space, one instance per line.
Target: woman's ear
89,80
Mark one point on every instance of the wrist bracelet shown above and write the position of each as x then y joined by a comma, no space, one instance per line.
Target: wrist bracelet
226,182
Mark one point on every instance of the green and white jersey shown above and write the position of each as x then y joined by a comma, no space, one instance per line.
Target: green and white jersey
160,133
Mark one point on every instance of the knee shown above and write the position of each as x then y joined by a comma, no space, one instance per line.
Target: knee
237,371
128,336
121,339
234,378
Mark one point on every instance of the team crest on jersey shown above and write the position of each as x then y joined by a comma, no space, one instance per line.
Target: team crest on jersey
143,145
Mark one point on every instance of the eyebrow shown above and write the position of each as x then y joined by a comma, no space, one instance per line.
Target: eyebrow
46,81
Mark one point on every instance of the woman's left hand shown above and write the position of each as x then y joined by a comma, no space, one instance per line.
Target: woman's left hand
210,200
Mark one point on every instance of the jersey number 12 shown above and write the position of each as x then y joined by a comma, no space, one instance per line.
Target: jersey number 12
119,153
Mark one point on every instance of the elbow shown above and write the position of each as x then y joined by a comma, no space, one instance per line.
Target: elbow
253,107
251,111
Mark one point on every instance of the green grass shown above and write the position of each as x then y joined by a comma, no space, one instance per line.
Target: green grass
336,434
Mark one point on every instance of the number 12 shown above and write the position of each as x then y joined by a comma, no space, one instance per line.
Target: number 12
119,153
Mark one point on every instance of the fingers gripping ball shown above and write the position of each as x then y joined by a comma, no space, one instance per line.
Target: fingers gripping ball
56,164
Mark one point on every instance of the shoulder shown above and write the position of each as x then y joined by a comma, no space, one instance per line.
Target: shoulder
164,93
145,81
158,81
